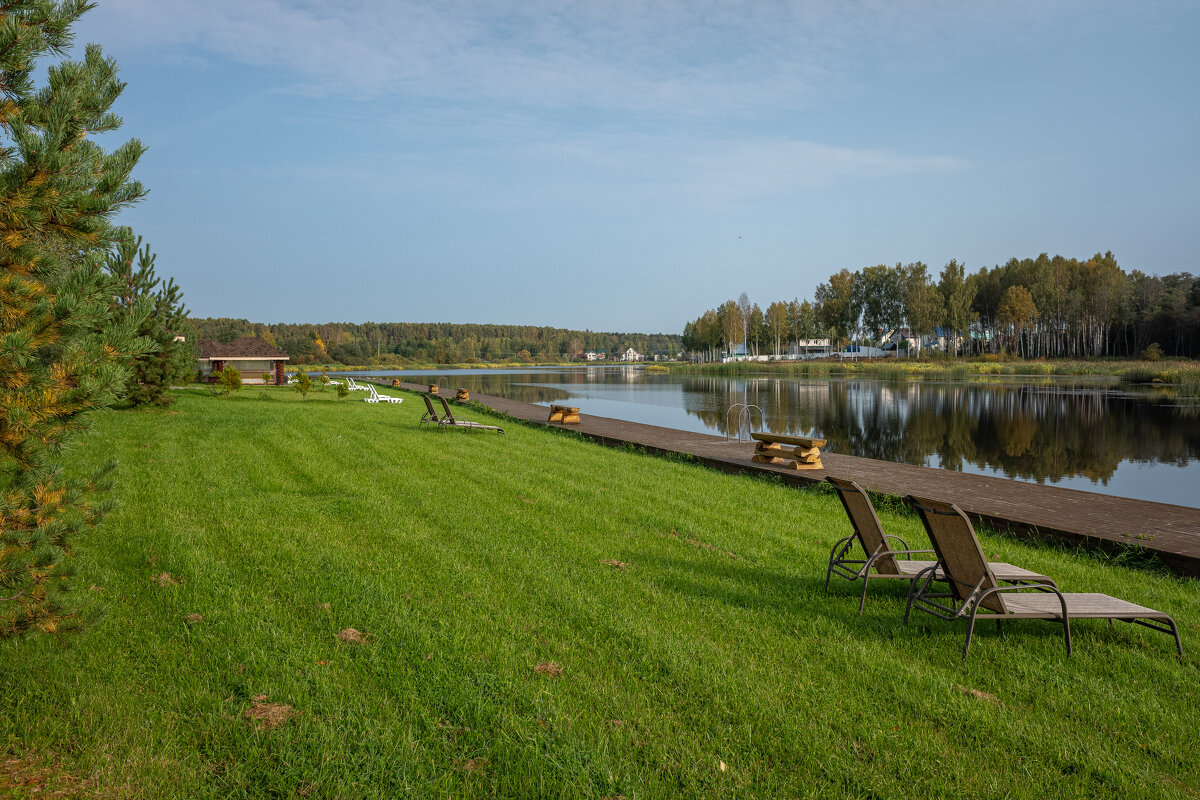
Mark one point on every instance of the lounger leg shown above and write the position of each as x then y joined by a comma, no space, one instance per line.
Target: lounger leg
970,630
1175,631
863,600
828,573
1067,633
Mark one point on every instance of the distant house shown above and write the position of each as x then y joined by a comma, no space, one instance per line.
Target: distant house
249,355
809,348
597,356
631,355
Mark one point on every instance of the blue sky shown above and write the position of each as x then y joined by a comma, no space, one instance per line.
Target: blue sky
624,166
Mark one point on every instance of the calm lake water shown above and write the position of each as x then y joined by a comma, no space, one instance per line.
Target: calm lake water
1089,434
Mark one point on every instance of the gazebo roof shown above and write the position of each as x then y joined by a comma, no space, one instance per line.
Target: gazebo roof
247,347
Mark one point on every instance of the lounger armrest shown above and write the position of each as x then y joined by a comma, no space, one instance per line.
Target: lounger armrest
1044,587
841,547
900,553
903,544
1041,587
881,553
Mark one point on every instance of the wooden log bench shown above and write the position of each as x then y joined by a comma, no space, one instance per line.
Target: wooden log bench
462,396
433,388
566,415
801,452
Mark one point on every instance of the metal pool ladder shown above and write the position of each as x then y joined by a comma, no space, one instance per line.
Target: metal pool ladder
743,420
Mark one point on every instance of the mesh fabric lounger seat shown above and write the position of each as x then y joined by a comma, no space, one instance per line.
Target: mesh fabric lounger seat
430,414
881,560
975,592
448,419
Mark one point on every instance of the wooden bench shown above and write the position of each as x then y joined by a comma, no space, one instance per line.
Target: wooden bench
567,415
802,452
462,396
433,388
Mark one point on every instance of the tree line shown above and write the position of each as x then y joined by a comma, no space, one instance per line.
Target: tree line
1044,307
399,343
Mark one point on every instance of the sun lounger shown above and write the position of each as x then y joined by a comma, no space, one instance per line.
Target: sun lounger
880,549
375,396
430,414
447,419
975,592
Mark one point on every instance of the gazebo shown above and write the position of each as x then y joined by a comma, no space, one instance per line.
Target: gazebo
250,355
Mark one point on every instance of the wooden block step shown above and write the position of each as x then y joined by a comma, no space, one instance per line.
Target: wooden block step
566,415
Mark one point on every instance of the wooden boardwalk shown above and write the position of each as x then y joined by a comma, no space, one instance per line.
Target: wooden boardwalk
1172,532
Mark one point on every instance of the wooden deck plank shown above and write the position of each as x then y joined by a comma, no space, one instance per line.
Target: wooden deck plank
1171,531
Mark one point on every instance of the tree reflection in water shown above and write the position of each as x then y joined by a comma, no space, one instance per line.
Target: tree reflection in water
1035,432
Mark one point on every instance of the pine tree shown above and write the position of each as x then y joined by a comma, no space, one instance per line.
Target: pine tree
62,351
143,295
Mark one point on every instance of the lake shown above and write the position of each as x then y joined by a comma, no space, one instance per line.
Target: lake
1090,434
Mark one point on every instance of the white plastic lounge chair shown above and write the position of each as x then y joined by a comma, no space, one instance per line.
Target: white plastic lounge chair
376,396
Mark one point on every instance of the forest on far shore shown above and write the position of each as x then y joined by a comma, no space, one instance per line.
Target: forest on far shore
1044,307
399,343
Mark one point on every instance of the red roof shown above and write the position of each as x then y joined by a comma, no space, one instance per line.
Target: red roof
247,347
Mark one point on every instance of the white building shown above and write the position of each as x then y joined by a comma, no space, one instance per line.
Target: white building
631,355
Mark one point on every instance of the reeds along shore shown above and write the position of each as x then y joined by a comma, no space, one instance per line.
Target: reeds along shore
1180,373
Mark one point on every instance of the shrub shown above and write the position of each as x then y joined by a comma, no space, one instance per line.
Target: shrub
230,380
1153,352
303,383
343,391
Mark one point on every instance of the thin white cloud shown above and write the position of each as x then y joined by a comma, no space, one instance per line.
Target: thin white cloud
620,170
674,56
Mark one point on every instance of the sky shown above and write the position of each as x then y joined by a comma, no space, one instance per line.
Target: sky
623,166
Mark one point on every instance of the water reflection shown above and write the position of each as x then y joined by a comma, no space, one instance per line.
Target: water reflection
1041,433
1064,432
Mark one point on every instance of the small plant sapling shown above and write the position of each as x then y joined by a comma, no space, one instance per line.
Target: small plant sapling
303,383
230,380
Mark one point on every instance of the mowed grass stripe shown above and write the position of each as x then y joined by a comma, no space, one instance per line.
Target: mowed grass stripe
468,559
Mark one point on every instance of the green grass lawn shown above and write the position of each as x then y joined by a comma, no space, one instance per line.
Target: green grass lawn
506,654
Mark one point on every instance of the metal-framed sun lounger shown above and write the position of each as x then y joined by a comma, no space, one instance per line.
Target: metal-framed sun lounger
879,548
430,414
448,419
975,592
